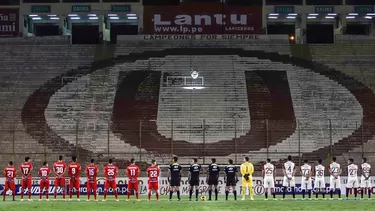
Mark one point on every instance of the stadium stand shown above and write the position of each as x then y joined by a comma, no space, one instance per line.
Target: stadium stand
282,97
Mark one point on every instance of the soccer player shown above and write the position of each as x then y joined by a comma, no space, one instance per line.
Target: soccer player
320,183
269,177
365,178
92,171
174,178
10,173
335,182
59,168
74,169
133,171
213,178
153,173
352,178
110,173
27,180
230,179
247,169
44,173
306,182
194,171
289,170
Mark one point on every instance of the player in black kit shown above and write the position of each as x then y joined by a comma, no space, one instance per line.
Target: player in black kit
194,171
213,178
174,178
230,179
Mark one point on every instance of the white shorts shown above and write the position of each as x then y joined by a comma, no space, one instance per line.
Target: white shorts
289,183
269,182
365,183
306,184
352,182
335,183
319,183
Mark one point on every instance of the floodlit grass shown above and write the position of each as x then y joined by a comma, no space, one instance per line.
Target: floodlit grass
164,204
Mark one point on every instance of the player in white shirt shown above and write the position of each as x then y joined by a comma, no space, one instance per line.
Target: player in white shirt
352,178
365,178
335,182
306,183
320,183
289,170
269,176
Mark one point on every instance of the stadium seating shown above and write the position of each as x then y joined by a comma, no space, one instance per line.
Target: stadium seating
25,70
60,101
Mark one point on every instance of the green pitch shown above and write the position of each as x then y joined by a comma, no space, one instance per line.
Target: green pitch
165,205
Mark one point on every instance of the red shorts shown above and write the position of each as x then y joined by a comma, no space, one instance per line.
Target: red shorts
110,184
75,184
44,184
92,185
133,186
27,183
59,182
9,185
153,185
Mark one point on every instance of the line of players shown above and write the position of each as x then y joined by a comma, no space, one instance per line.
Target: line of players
174,178
74,169
306,171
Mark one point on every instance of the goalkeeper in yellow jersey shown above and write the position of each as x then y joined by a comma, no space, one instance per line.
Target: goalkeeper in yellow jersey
247,170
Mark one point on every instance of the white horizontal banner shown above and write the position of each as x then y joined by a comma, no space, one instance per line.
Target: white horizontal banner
252,37
163,185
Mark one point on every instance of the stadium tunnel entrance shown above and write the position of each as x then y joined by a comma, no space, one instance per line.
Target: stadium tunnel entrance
320,33
42,25
125,24
83,28
360,28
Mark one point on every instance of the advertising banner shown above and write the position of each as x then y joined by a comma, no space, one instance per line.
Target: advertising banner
202,18
163,186
9,22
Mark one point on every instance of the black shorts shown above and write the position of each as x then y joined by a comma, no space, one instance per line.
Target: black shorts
231,182
175,182
194,182
213,182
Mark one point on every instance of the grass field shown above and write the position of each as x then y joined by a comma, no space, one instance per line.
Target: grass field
164,204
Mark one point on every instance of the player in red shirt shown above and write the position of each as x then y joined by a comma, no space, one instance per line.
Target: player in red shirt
132,171
10,173
44,173
110,173
59,168
153,179
27,180
74,169
92,171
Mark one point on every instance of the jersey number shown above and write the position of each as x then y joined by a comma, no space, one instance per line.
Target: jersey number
59,170
73,170
366,170
153,174
91,172
132,172
44,173
335,170
306,172
319,173
352,172
111,172
10,174
269,171
289,168
26,171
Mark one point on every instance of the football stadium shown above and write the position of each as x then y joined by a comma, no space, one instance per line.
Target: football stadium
187,104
